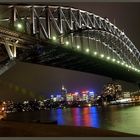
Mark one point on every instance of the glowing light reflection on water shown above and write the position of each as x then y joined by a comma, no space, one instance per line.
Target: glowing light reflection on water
123,118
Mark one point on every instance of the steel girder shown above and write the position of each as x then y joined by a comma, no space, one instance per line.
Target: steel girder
47,21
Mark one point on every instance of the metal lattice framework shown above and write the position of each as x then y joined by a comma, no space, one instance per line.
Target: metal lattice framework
76,29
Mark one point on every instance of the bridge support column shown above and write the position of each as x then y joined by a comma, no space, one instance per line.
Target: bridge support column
48,27
13,17
71,40
14,50
61,39
11,50
81,42
25,24
32,21
60,24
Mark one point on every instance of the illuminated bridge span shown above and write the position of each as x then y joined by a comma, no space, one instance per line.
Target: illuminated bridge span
68,38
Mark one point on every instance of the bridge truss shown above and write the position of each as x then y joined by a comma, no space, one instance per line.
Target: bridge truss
78,30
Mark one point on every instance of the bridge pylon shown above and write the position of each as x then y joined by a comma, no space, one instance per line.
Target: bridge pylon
11,49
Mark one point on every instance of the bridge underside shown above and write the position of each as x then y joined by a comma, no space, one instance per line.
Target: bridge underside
29,34
54,55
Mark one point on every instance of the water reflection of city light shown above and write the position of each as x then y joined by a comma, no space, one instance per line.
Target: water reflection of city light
86,117
60,117
94,117
76,116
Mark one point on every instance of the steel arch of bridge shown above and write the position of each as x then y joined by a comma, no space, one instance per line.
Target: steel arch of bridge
77,29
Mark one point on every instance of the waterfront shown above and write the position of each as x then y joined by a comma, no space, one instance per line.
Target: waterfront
122,118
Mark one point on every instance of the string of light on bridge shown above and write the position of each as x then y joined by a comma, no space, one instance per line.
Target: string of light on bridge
87,50
19,25
102,56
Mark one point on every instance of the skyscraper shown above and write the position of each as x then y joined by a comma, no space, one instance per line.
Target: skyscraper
64,92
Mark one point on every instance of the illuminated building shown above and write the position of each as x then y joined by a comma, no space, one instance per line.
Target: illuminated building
91,95
126,94
85,95
118,90
54,99
135,96
112,91
58,98
52,96
76,96
69,97
64,92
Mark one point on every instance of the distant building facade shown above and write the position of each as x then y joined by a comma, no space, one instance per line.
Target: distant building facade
112,91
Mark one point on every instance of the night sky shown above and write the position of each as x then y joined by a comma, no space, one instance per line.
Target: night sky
28,80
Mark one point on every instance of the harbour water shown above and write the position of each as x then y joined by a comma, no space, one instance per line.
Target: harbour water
122,118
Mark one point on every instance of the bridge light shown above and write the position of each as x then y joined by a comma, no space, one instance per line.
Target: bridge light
87,50
19,26
67,43
126,65
102,55
108,58
118,62
95,53
113,60
78,47
129,66
54,38
122,63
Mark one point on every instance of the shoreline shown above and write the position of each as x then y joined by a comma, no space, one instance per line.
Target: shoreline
24,129
82,106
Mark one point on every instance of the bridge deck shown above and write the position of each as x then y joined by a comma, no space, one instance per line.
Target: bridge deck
58,56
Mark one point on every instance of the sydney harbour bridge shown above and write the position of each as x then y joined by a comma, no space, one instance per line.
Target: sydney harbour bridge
68,38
